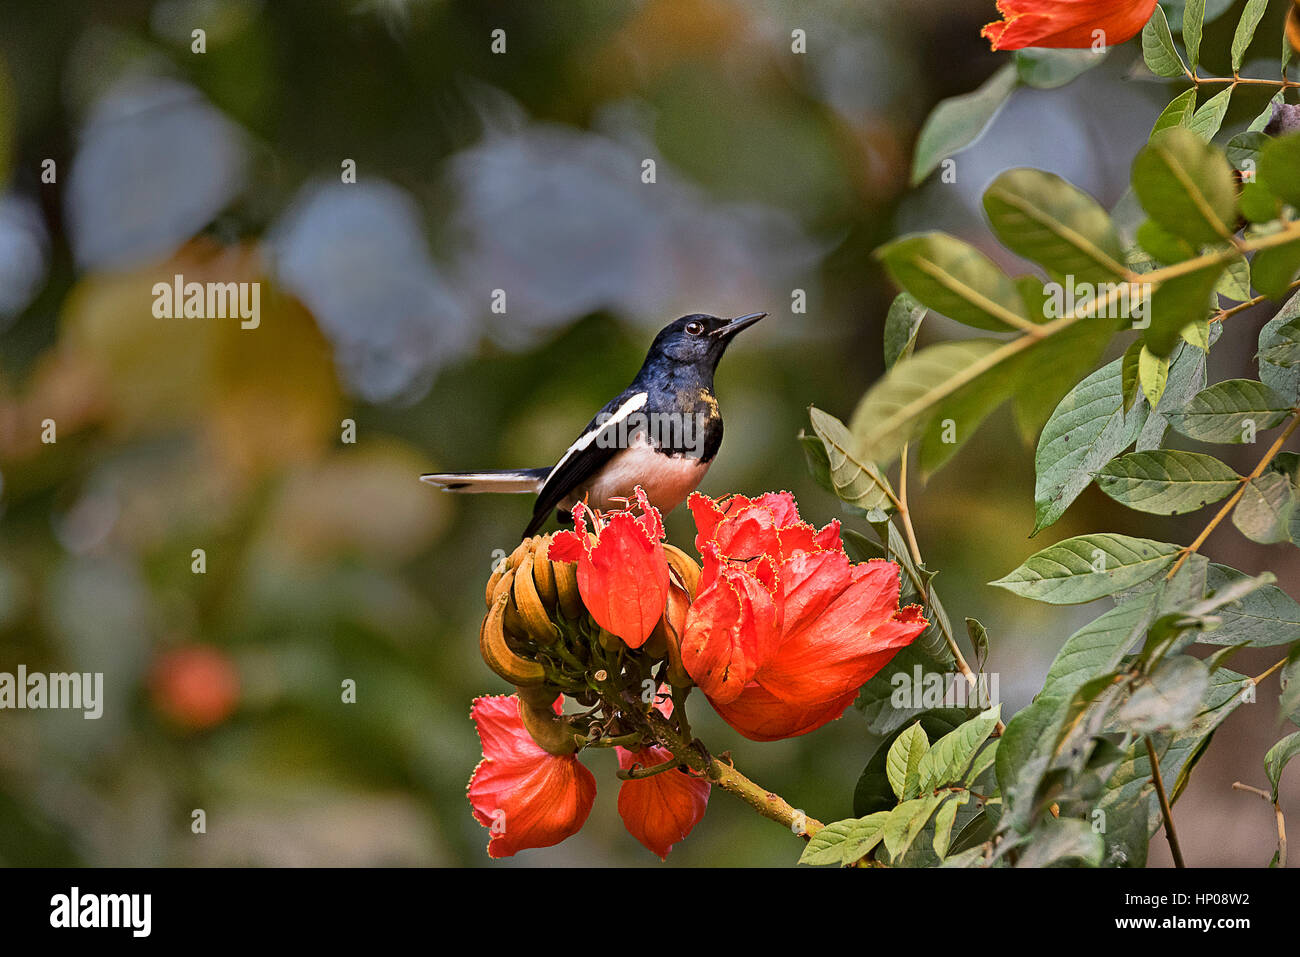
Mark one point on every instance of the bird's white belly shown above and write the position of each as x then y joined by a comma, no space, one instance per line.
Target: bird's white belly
667,479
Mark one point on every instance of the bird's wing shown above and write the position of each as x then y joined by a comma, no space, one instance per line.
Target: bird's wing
585,457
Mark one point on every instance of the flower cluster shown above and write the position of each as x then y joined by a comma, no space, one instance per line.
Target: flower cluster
778,628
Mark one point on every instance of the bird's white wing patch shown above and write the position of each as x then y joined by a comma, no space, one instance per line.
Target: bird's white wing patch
632,404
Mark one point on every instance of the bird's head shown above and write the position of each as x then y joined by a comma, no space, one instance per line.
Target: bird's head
699,339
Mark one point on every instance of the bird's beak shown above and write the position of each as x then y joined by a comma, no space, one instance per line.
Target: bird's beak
737,324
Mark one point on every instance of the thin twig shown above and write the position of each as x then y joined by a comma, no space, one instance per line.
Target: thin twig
1236,496
1165,812
1277,811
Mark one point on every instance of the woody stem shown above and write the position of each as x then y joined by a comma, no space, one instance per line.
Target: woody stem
905,516
767,803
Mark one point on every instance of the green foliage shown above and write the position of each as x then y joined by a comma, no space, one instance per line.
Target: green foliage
1043,218
1158,48
957,122
1088,567
928,787
1166,482
1185,185
1069,779
1246,27
1231,411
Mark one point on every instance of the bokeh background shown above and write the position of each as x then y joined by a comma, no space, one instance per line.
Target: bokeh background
326,559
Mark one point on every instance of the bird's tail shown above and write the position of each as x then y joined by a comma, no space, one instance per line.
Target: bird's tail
504,480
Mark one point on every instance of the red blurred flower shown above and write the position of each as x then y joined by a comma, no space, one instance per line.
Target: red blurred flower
622,575
196,686
1066,23
784,628
525,796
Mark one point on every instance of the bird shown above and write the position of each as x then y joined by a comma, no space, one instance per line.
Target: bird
660,433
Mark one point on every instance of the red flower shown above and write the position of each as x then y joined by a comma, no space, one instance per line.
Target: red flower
525,796
623,575
833,624
1066,23
195,686
662,809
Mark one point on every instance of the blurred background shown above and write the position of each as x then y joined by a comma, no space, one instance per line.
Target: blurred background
126,157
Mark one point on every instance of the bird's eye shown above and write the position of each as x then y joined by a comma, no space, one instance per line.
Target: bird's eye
694,328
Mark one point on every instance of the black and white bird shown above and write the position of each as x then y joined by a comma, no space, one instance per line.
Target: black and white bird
661,432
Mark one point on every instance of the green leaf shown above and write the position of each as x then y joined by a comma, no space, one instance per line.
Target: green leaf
886,700
941,394
843,842
1088,428
958,121
1235,281
889,413
1258,204
1289,700
902,324
1129,373
1166,482
1046,69
1285,350
1185,184
1047,220
873,791
1186,379
944,819
1162,244
1050,370
1179,112
1258,123
1246,26
1283,380
1088,567
906,821
1267,616
1129,802
1209,116
1153,375
1279,167
903,762
956,280
1197,335
1097,648
1193,24
1243,151
1265,508
950,756
857,482
1230,411
1273,269
1158,49
1169,699
1176,303
1056,841
1275,761
979,641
